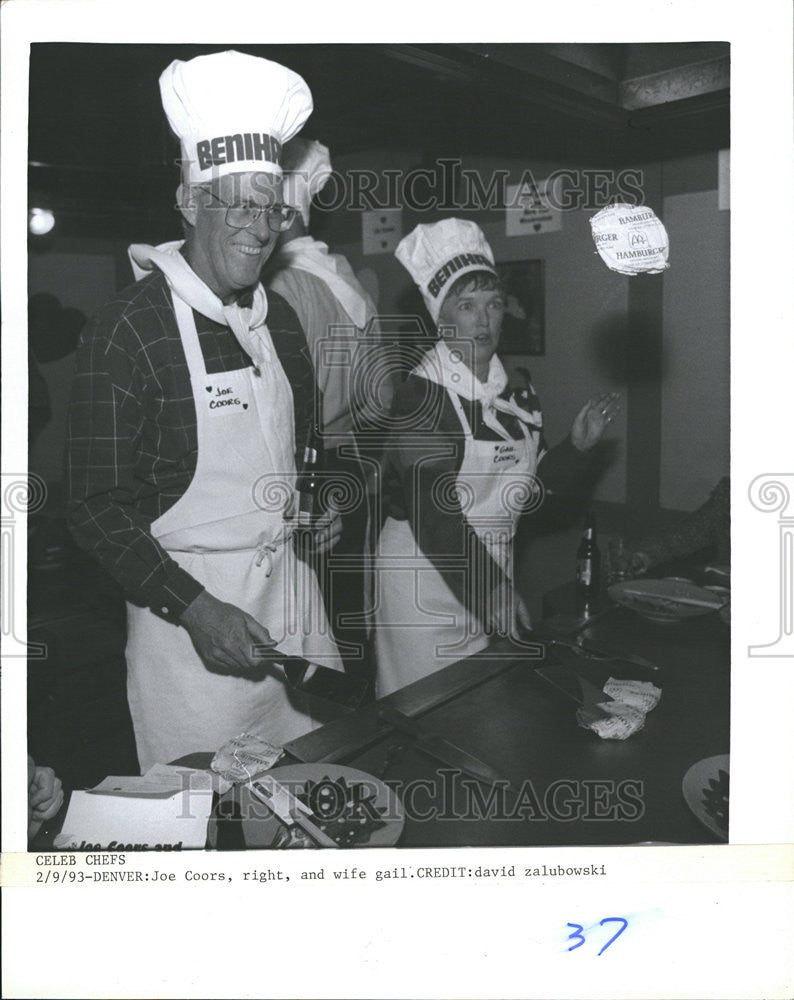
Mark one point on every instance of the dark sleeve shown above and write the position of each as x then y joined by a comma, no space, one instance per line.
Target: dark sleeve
105,424
293,352
424,458
708,525
560,466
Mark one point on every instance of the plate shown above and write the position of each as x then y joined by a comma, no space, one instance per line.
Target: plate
326,783
706,787
656,599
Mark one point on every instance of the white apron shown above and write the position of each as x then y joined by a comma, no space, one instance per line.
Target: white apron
229,532
420,626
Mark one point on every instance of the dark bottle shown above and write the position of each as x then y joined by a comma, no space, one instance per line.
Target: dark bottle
308,483
588,561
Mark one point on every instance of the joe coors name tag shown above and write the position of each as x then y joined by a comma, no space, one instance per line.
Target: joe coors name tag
225,399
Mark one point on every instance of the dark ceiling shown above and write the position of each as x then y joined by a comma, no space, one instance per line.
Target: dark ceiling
99,142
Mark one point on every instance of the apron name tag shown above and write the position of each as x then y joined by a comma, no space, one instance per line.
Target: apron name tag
223,400
504,453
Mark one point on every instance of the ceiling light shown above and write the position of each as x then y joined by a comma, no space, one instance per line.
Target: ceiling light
40,221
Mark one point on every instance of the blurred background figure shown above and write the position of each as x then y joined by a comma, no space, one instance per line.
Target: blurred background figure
707,528
338,318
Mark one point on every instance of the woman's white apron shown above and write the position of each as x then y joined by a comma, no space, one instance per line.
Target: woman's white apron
420,626
231,531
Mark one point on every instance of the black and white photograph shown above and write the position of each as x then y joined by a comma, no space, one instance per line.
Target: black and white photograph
449,604
379,467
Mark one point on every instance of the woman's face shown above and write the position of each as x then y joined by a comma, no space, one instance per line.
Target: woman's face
477,315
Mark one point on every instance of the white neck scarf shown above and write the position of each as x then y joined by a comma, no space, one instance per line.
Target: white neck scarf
439,367
308,254
247,324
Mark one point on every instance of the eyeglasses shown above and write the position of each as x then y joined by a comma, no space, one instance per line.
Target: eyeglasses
279,217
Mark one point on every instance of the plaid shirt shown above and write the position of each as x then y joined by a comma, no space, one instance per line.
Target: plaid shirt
132,439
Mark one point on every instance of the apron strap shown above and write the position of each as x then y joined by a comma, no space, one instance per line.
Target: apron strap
524,429
190,339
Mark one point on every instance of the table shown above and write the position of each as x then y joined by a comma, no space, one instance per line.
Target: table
575,789
586,790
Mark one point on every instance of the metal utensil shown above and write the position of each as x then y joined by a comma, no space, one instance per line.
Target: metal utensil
571,683
585,648
315,680
662,601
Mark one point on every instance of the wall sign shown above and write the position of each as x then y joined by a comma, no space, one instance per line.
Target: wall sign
381,231
531,208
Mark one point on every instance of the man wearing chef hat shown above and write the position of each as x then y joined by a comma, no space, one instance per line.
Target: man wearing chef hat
338,317
183,431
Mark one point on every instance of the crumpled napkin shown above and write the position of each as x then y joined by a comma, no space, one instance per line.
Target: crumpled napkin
621,718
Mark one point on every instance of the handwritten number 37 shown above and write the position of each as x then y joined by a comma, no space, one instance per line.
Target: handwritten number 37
577,933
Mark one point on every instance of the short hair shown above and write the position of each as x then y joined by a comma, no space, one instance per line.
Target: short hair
474,281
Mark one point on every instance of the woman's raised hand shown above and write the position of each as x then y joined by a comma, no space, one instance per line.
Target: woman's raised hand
593,419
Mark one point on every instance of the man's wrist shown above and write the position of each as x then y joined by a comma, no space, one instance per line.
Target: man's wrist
171,602
197,606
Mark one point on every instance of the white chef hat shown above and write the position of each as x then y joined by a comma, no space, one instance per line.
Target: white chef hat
307,167
435,255
232,112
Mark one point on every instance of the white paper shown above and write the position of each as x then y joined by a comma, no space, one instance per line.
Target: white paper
630,239
638,694
104,822
160,780
616,721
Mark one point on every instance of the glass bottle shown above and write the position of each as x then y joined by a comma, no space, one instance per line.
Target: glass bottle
588,562
308,482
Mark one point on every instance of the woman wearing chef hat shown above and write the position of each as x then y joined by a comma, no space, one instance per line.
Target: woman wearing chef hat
466,458
183,431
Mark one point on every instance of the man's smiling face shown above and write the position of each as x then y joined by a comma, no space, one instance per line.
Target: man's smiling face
228,259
